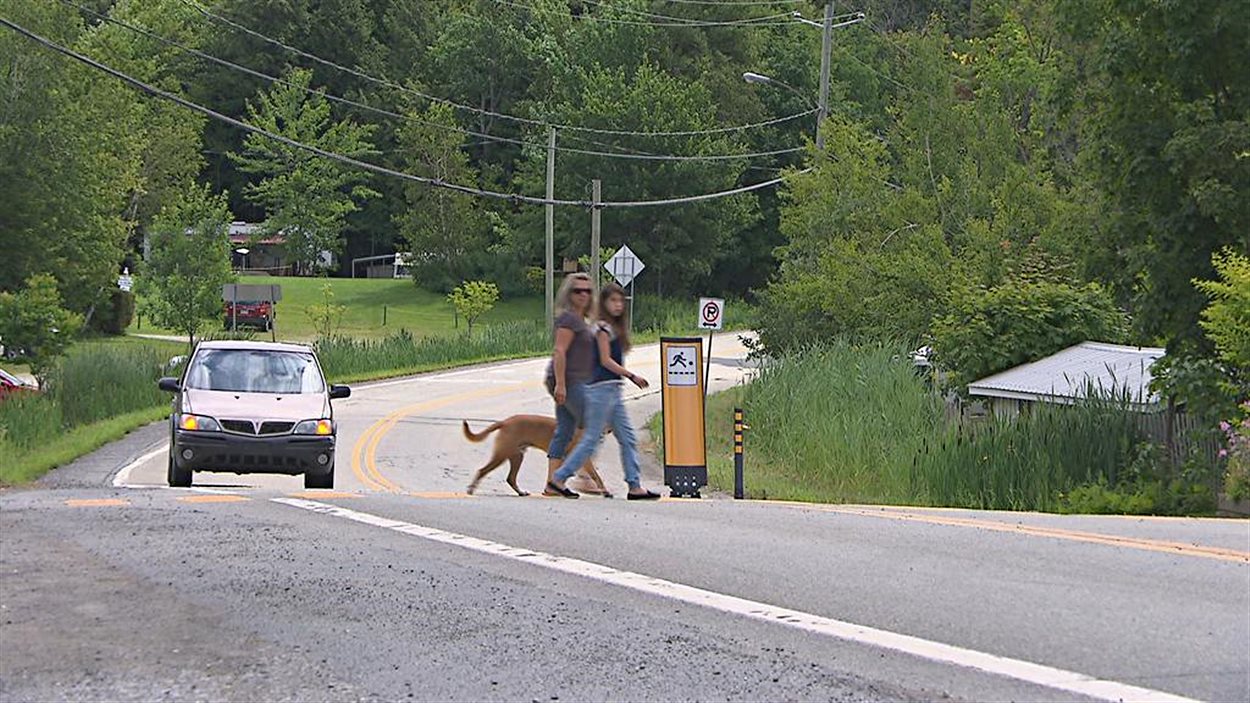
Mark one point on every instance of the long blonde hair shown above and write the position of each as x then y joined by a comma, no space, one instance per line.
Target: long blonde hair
564,302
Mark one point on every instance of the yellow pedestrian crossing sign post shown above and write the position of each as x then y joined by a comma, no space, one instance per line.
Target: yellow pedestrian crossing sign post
682,393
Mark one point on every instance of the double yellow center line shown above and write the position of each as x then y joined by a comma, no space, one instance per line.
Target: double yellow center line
364,452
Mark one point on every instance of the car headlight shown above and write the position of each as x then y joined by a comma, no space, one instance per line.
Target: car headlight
321,428
198,423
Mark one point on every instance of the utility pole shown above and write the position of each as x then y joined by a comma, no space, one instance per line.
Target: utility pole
551,226
826,58
596,198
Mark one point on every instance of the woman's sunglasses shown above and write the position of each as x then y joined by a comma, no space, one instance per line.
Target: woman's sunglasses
582,290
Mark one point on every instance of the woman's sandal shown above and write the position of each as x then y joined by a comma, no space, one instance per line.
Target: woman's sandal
649,495
554,490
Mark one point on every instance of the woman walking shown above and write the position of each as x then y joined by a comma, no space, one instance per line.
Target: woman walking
604,404
571,368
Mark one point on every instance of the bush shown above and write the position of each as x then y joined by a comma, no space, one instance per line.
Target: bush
116,315
33,321
1237,453
1226,319
992,329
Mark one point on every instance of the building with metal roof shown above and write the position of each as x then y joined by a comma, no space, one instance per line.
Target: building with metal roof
1107,370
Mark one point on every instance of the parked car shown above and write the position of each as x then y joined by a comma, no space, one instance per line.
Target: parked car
11,385
248,313
253,407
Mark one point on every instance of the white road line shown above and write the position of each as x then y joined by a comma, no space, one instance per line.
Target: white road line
121,478
1027,672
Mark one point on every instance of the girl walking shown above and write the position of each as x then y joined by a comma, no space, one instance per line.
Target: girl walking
604,404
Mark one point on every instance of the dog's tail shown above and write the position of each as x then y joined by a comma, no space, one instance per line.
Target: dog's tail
478,437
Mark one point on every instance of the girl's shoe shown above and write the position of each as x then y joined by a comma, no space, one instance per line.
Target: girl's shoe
554,490
649,495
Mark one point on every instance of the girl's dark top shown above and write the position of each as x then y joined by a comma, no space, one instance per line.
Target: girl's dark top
615,348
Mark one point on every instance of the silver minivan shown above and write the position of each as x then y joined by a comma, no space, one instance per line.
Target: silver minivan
253,407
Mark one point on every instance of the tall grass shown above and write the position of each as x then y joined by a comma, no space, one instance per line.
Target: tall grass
100,381
96,384
848,423
1028,462
844,422
356,359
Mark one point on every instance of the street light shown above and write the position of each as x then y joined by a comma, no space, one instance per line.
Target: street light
857,18
243,251
751,77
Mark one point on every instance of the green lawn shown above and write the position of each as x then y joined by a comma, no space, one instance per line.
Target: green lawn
406,306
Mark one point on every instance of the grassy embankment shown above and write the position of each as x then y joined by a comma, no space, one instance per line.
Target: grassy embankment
847,424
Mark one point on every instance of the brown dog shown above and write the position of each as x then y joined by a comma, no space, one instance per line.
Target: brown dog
516,434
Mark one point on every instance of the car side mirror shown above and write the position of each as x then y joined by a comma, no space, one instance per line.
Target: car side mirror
337,392
170,385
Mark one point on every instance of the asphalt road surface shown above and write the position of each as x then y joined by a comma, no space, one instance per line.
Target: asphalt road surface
398,586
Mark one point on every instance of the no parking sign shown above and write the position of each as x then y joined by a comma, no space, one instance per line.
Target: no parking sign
711,313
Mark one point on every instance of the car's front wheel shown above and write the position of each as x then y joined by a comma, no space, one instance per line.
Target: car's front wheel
178,477
320,480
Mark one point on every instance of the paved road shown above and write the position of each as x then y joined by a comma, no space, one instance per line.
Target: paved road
398,586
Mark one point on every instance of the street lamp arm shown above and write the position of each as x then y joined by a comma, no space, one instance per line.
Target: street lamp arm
752,77
859,17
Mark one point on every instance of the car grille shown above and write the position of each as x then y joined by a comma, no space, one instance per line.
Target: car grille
276,427
239,426
269,427
252,461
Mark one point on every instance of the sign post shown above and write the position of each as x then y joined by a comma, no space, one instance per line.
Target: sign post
711,317
625,267
682,393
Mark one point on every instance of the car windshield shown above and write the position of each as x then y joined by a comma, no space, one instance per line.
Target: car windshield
255,371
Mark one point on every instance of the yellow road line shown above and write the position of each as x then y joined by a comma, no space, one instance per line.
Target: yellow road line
439,495
358,453
1152,545
1012,513
364,453
96,502
213,499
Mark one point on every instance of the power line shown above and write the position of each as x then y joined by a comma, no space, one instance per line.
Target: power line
416,120
770,20
364,165
481,111
682,21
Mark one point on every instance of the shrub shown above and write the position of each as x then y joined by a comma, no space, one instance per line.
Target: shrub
992,329
116,315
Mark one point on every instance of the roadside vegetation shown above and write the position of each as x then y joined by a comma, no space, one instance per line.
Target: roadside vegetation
95,394
858,423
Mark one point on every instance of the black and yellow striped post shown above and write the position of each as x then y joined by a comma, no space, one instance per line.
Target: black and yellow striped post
739,491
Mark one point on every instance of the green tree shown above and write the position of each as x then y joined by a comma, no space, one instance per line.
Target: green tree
992,329
1226,318
1163,101
862,259
170,135
189,263
306,197
680,241
472,299
446,231
69,159
34,321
